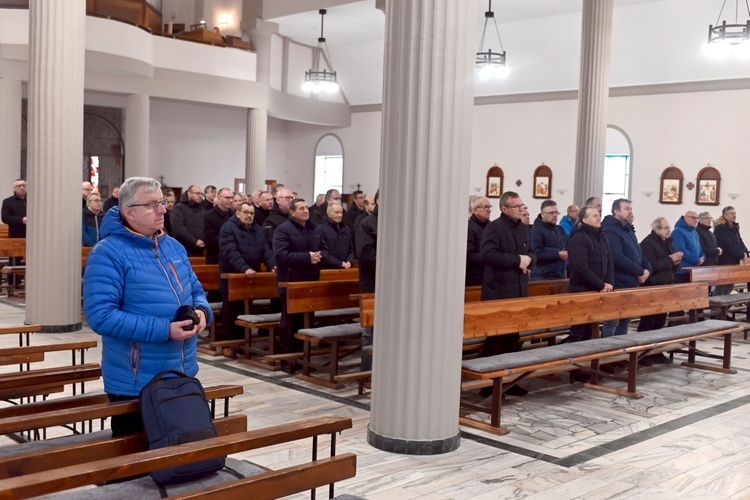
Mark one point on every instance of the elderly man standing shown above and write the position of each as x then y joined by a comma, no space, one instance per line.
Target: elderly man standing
14,210
242,249
687,240
709,244
338,238
550,244
92,220
632,269
136,279
187,221
569,220
480,217
508,258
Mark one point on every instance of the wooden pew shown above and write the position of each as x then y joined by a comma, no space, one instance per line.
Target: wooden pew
59,412
197,261
46,380
724,275
289,480
208,275
501,317
12,247
315,299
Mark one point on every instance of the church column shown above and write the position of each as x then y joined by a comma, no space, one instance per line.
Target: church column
593,98
255,156
137,121
57,32
425,157
10,134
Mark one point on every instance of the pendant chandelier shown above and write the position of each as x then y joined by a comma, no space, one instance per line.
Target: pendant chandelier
490,64
317,81
725,39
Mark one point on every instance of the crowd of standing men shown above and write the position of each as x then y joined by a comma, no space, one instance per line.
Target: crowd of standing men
596,254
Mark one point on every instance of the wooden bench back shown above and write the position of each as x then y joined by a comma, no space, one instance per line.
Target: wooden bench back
12,247
719,275
498,317
208,275
536,288
3,230
260,286
309,296
197,261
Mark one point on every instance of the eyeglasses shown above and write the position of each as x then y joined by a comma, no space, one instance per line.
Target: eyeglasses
96,200
515,207
246,213
285,197
153,206
691,216
485,207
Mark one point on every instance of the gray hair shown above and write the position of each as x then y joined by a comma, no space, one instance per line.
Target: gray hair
704,214
658,223
332,204
131,186
88,198
476,201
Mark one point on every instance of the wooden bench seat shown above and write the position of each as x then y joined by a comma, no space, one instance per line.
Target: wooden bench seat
55,413
337,337
506,316
318,472
724,275
47,380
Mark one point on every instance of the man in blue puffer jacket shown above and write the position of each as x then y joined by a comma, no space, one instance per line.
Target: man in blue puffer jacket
136,278
632,269
687,240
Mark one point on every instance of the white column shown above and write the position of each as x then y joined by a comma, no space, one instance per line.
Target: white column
593,98
257,142
10,134
426,149
53,247
137,120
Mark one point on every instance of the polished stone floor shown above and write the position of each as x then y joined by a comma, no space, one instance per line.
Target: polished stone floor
688,437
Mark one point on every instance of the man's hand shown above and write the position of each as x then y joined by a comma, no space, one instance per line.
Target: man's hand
701,261
202,316
563,254
525,262
346,265
643,277
200,244
177,333
720,250
676,257
315,257
607,287
249,273
23,220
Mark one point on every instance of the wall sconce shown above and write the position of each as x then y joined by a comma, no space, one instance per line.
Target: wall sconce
648,194
733,195
225,20
561,190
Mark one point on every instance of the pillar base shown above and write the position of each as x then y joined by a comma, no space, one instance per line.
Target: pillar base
413,446
74,327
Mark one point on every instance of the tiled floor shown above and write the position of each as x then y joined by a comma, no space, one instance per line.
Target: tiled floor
689,437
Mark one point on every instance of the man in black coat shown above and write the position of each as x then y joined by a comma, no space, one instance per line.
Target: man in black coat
264,208
550,243
591,266
242,249
508,257
366,242
113,200
480,217
665,262
733,248
14,210
298,249
709,244
279,215
337,237
187,221
213,220
357,208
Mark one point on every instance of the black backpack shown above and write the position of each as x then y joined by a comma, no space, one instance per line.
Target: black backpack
174,410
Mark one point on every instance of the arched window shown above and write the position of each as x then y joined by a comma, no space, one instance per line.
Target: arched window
617,167
329,165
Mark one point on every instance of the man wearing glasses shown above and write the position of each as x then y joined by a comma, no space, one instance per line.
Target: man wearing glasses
279,215
687,240
92,220
187,221
550,244
508,257
136,279
480,217
213,222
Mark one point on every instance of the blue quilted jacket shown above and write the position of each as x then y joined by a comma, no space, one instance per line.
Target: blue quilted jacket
132,288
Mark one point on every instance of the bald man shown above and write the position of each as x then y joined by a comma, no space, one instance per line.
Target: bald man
687,240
